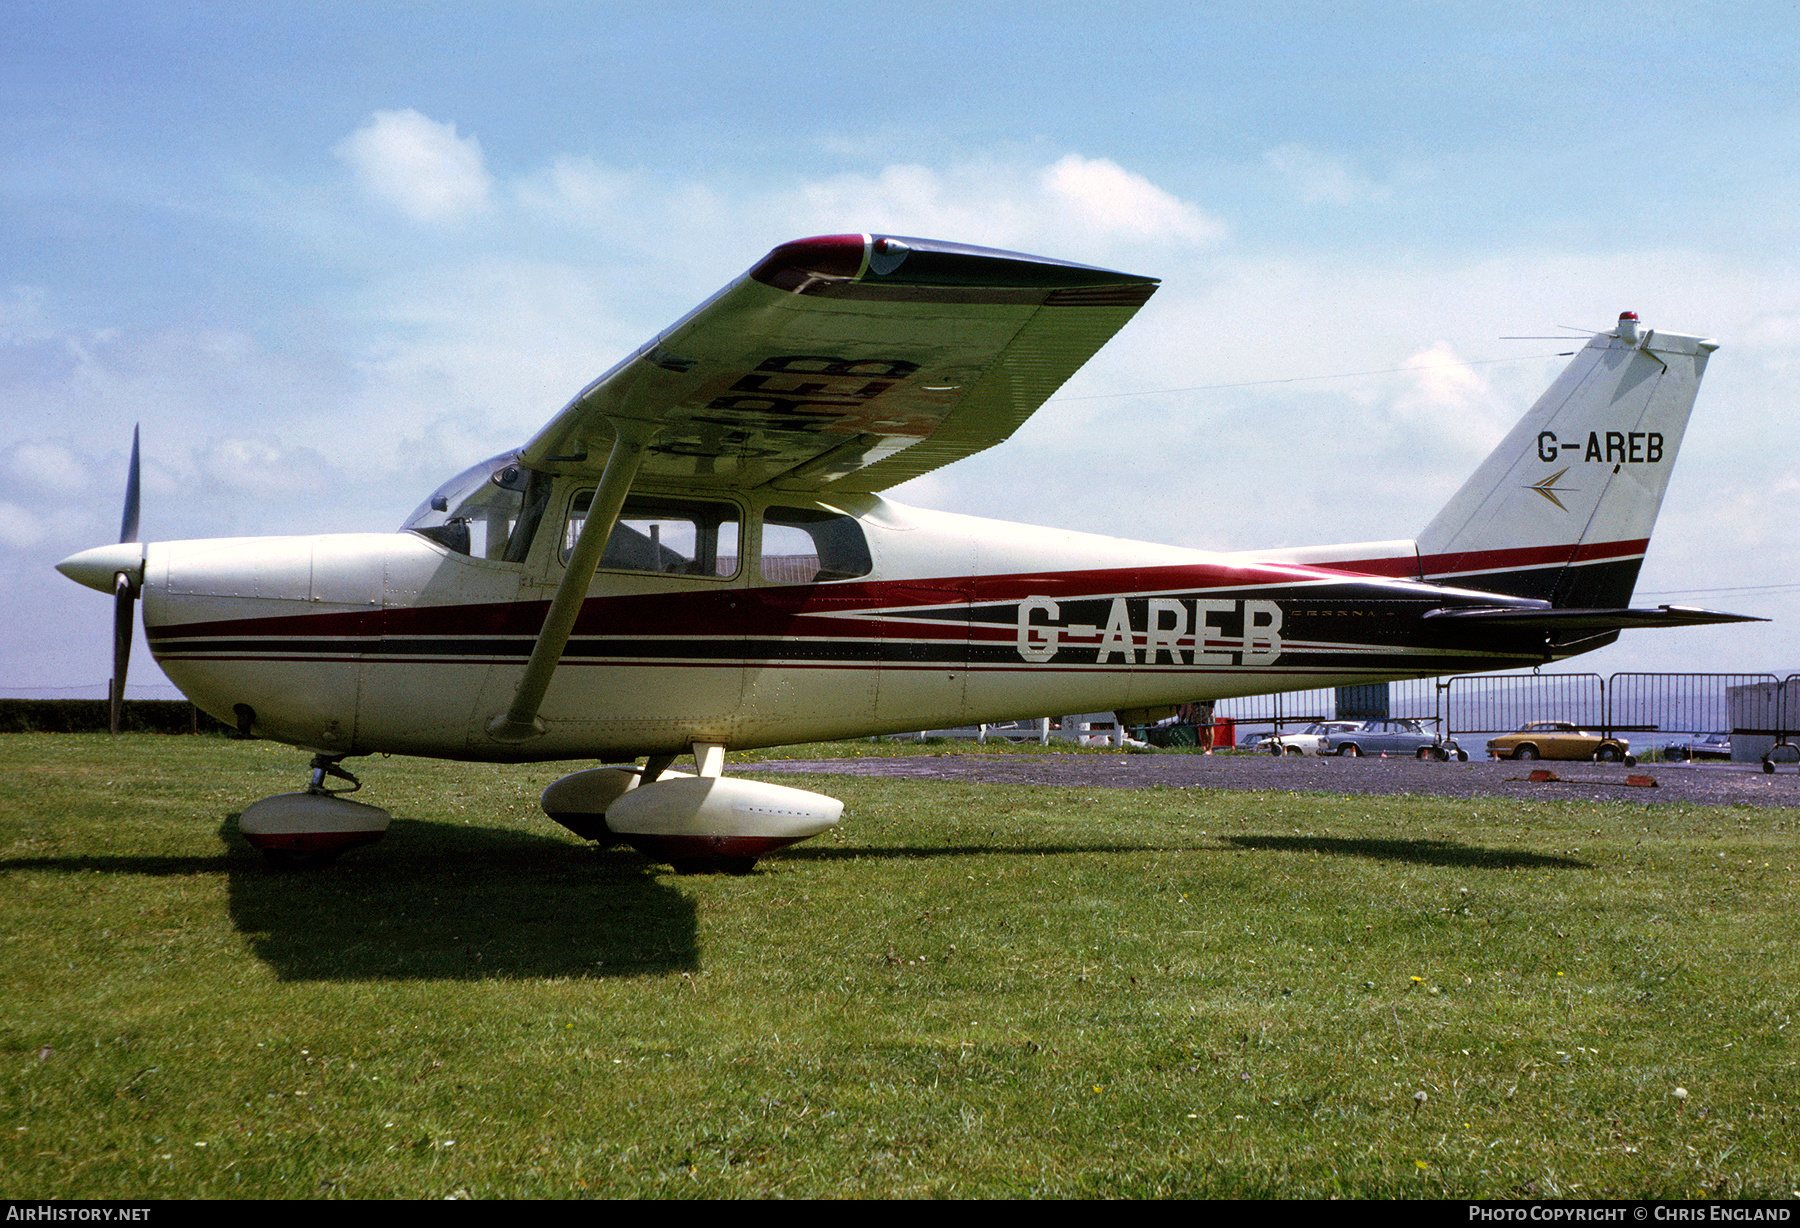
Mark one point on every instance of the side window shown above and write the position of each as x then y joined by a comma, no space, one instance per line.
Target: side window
811,546
681,537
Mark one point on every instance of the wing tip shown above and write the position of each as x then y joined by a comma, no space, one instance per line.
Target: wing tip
818,264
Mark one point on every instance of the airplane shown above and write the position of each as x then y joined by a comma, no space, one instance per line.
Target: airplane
694,555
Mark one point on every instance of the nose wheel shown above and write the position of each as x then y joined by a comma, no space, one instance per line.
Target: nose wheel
312,828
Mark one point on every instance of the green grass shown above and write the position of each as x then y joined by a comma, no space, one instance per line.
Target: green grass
964,990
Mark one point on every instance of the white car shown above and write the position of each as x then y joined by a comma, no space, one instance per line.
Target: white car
1308,741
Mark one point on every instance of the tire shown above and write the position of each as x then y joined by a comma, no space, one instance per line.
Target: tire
1349,750
1275,749
1527,751
1630,760
1607,754
1768,767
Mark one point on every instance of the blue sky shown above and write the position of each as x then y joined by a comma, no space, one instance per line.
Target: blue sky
331,254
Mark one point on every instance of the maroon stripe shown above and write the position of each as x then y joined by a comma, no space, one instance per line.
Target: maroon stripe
1407,566
786,612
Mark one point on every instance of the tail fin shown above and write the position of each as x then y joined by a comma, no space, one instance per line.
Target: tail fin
1562,509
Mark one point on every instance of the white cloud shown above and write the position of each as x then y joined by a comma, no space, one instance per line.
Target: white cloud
261,464
1321,178
1440,388
421,167
18,527
1101,193
48,466
577,191
1082,207
22,315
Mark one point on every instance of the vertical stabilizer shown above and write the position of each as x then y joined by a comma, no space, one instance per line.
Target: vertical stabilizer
1562,509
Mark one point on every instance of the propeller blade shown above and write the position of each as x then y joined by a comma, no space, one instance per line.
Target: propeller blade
124,594
124,598
128,526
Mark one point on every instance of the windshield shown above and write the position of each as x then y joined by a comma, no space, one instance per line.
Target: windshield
488,510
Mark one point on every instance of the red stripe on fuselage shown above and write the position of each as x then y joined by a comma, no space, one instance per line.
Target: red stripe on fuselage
1469,562
858,607
766,611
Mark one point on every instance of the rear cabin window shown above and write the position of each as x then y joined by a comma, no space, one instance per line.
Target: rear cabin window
675,537
803,545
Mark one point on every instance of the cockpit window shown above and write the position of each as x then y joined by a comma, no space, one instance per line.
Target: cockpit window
809,545
489,510
683,537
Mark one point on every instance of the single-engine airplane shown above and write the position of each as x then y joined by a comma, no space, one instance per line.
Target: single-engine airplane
694,555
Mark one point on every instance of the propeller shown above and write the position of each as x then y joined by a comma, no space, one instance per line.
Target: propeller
125,591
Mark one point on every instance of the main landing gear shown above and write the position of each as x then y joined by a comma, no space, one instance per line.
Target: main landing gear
311,828
704,823
700,824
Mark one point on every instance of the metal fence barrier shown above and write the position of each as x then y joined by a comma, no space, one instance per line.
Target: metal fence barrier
1760,712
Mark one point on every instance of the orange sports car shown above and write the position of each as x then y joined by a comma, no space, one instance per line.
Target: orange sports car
1559,740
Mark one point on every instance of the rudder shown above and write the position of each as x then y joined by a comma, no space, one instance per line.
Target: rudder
1563,509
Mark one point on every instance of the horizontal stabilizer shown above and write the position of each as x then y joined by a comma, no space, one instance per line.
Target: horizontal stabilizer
1512,618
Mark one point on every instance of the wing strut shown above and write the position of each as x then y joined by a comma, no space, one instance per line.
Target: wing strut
520,722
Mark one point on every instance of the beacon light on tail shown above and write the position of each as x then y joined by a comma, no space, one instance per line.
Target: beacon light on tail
693,555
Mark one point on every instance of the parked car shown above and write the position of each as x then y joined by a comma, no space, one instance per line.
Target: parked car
1308,740
1559,740
1701,746
1390,737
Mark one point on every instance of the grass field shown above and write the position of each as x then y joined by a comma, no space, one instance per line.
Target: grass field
964,990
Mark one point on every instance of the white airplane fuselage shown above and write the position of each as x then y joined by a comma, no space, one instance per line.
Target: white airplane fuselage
360,643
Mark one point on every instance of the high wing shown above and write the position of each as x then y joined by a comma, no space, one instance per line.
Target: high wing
848,363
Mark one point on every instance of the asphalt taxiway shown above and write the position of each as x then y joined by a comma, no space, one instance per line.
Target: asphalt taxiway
1706,784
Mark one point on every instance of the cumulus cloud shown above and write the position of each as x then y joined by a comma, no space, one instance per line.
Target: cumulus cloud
1101,193
19,527
1075,204
576,191
22,315
1321,178
1442,388
419,166
261,464
47,466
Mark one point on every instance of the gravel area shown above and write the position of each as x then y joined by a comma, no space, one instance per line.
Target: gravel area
1709,784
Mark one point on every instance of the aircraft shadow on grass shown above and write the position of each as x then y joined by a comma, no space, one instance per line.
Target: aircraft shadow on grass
444,901
1419,852
919,853
463,904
